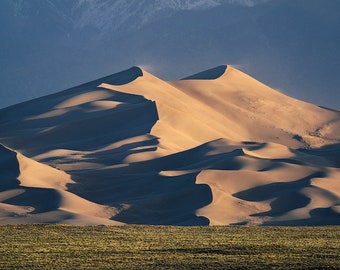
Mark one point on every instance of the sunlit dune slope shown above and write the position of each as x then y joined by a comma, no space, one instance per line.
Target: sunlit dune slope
217,147
265,114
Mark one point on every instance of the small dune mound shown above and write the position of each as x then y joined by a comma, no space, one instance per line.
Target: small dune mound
31,192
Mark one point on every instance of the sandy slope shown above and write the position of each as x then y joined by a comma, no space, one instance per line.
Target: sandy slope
32,192
217,147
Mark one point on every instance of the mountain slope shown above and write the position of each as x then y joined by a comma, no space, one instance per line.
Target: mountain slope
218,147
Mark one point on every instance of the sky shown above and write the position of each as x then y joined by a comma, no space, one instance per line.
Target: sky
48,45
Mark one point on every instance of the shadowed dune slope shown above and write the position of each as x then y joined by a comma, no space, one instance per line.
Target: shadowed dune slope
217,147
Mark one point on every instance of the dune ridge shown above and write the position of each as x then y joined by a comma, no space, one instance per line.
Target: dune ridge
217,147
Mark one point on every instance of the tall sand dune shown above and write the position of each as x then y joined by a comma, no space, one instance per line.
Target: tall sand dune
217,147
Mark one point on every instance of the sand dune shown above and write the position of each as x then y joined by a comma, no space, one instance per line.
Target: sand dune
217,147
32,192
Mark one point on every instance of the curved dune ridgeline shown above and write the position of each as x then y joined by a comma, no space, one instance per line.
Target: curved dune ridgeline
217,147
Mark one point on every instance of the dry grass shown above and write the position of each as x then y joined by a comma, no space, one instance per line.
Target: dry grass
166,247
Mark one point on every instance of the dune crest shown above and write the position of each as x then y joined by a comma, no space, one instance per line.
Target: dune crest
210,74
217,147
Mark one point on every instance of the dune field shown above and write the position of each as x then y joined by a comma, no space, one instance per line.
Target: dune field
215,148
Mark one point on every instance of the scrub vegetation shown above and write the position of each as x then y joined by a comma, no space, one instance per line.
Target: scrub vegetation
168,247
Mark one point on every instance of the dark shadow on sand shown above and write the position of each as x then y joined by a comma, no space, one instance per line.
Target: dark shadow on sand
41,199
9,168
210,74
286,195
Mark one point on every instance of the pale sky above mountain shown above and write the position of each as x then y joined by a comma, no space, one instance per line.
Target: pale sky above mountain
117,14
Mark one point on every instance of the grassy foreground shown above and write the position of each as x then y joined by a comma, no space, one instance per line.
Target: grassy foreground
165,247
